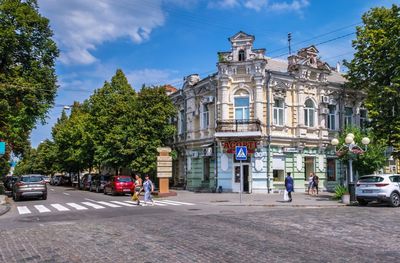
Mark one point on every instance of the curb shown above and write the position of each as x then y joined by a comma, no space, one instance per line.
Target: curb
8,207
304,206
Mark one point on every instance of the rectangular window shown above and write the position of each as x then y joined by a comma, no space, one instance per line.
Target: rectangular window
181,128
242,108
363,119
332,117
278,112
348,116
205,117
331,169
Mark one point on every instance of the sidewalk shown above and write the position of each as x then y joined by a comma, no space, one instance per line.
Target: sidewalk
4,207
269,200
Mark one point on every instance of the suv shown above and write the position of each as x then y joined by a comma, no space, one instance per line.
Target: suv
119,184
98,182
30,185
379,187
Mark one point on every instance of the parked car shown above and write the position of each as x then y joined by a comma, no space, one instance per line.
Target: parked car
87,181
119,184
55,180
46,179
379,187
9,182
98,182
31,185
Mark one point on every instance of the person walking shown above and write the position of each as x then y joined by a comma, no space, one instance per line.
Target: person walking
315,184
138,188
310,183
289,186
148,188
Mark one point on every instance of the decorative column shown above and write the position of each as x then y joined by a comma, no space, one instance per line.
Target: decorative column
258,99
224,98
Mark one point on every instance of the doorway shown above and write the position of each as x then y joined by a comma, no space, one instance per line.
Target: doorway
246,177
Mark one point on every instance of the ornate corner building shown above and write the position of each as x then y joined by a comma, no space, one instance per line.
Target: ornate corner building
284,111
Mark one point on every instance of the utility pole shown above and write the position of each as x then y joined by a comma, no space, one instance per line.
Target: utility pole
289,39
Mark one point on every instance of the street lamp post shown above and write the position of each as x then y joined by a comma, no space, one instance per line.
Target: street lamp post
352,147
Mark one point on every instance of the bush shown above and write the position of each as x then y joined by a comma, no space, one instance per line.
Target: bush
340,190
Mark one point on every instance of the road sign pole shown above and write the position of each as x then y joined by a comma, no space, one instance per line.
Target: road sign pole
241,181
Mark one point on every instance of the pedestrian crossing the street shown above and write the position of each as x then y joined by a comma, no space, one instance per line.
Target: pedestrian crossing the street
84,206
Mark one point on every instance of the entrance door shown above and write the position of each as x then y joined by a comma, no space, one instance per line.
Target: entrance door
246,177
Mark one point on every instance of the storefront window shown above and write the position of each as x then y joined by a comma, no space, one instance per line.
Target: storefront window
310,166
237,174
331,169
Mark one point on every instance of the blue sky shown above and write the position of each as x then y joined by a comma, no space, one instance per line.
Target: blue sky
161,41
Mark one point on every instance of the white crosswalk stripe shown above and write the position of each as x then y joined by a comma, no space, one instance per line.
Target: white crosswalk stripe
108,204
60,207
22,210
131,202
95,206
42,209
164,202
122,203
76,206
177,202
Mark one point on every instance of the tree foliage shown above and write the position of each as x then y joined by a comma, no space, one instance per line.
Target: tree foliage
27,73
370,159
376,69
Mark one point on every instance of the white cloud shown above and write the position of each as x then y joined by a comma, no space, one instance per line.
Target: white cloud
80,26
153,77
295,5
255,4
224,4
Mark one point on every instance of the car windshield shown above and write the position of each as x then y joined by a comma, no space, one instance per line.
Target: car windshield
124,179
371,179
31,179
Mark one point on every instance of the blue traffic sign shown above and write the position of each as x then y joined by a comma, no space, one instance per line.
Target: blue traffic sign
2,148
241,153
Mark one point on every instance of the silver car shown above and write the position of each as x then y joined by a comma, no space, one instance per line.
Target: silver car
379,187
31,185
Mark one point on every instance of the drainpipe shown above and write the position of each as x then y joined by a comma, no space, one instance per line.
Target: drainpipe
268,130
215,139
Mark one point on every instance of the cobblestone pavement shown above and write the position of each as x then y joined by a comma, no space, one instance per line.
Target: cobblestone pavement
345,234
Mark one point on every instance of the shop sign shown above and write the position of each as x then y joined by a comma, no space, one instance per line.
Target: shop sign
290,150
230,146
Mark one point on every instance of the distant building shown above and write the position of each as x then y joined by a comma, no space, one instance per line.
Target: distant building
284,111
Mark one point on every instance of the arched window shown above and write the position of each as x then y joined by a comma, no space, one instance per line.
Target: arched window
278,112
309,112
241,55
242,105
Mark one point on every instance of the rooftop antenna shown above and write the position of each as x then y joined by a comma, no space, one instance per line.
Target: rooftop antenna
289,39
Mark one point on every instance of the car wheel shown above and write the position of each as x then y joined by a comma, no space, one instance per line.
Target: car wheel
44,197
113,192
104,191
362,202
394,199
97,189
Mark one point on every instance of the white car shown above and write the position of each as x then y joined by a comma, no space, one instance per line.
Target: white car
379,187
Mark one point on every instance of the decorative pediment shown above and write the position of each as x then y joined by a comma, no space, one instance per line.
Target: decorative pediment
241,36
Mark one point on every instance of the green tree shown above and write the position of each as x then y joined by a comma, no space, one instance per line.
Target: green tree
27,73
27,163
365,162
376,69
46,158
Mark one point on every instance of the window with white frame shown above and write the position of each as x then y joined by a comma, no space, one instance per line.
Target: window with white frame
363,118
181,123
279,109
332,117
205,117
242,105
309,113
348,116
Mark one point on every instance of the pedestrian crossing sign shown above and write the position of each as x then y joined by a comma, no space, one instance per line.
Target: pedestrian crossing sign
241,153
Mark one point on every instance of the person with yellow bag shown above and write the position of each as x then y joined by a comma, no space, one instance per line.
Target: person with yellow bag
138,189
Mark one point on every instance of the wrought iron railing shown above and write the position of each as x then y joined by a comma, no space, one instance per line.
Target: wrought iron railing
238,125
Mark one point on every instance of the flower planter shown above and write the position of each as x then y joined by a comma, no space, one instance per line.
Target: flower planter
346,199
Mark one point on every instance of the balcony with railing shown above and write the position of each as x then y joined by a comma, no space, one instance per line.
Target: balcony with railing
238,128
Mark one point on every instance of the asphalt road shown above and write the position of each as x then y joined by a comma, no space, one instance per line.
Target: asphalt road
194,232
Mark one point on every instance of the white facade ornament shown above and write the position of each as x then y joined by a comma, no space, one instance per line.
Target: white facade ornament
189,164
224,162
321,163
299,162
258,164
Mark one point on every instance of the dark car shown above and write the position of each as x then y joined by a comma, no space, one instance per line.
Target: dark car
56,180
31,185
119,184
87,181
98,182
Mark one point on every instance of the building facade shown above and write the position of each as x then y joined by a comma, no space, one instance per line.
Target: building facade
285,111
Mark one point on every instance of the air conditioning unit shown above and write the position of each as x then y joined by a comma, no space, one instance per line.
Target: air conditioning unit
324,99
207,99
324,111
208,151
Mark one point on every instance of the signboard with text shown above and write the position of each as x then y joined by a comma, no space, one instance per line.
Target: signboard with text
2,148
230,146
